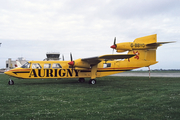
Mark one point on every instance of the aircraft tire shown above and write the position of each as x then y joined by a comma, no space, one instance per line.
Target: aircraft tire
81,80
11,82
92,81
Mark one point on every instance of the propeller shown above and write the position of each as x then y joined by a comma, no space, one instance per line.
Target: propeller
72,62
63,57
114,45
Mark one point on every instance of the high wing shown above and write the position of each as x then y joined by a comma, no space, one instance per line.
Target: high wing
96,60
158,43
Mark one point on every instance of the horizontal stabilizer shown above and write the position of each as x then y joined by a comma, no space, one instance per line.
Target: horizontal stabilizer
158,44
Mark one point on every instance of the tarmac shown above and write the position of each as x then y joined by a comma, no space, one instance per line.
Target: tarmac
146,74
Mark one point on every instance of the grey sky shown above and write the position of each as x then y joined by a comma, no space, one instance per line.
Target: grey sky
30,28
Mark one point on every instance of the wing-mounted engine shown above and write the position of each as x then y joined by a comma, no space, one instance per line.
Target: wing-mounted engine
122,47
79,63
142,43
137,44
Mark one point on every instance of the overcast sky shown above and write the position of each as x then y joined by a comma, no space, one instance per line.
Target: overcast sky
31,28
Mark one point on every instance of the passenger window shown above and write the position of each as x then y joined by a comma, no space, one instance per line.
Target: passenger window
47,66
56,65
106,65
36,66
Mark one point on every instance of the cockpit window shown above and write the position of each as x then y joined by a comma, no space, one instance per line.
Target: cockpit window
26,65
106,65
56,65
36,66
47,66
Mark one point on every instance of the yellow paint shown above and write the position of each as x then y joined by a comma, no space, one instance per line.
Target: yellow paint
144,56
138,44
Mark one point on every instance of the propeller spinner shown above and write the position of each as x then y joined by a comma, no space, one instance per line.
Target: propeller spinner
72,62
114,45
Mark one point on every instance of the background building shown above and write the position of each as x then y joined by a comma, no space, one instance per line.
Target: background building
10,64
52,56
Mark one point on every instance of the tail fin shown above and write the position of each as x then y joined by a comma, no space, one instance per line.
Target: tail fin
145,50
145,57
146,39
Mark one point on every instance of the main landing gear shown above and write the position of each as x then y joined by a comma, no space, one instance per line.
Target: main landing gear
11,82
91,81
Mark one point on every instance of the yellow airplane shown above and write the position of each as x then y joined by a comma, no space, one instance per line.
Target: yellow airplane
142,53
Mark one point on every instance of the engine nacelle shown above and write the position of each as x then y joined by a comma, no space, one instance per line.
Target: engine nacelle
81,64
142,43
122,47
121,51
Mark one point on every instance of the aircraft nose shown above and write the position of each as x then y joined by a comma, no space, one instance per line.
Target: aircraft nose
7,72
10,73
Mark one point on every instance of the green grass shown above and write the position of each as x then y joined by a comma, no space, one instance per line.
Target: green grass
126,98
154,71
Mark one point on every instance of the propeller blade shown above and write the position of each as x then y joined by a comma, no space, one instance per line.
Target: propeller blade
71,57
115,41
72,62
114,44
63,57
113,51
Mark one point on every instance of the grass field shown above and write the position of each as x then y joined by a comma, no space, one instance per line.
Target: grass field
126,98
154,71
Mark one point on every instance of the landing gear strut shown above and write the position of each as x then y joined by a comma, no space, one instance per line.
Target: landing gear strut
92,81
11,82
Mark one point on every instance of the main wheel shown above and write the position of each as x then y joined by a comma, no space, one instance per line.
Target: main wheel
11,82
92,81
81,80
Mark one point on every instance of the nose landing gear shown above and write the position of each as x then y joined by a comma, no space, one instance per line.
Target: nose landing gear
11,82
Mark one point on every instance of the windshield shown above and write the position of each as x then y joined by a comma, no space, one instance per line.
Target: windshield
26,65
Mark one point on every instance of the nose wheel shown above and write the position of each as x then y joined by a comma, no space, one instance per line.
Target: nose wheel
11,82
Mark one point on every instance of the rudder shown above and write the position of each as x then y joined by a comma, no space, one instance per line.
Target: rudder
143,55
